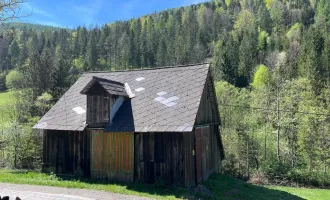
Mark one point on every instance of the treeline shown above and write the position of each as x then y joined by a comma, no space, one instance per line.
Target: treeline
271,56
239,35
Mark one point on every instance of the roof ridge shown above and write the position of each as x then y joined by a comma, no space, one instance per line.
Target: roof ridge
146,69
107,80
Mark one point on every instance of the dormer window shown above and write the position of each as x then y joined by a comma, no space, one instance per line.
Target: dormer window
104,98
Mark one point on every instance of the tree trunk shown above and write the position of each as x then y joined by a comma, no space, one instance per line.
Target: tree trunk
278,128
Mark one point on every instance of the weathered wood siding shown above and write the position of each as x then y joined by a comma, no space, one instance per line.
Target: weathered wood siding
189,159
165,158
66,152
207,136
99,103
112,156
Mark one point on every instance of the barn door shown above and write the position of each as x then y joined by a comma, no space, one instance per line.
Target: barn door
112,155
203,156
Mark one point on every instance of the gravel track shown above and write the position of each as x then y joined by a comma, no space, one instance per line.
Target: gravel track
31,192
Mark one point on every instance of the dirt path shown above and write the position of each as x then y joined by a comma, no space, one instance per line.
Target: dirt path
31,192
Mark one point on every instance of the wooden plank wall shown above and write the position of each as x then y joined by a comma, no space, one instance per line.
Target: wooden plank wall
66,152
160,157
189,159
112,156
205,115
208,135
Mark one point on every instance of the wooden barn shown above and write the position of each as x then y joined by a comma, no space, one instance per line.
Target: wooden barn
143,125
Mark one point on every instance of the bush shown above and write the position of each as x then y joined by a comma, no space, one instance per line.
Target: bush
23,146
14,80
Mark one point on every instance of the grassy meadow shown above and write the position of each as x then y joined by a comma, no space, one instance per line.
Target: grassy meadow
6,101
6,98
223,187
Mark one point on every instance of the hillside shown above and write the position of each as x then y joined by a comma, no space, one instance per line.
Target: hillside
271,61
26,26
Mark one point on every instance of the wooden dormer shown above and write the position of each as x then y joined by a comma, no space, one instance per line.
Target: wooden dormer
104,97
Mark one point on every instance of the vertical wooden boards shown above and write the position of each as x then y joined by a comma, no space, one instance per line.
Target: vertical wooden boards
199,152
208,115
112,156
203,147
189,159
160,157
66,152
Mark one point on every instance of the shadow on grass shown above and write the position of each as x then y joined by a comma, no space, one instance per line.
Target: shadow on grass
226,187
151,189
223,187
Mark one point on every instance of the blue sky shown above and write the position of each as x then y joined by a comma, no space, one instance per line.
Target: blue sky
73,13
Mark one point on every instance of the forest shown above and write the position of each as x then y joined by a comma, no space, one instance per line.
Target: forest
270,58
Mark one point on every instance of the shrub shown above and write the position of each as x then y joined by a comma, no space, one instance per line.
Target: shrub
14,79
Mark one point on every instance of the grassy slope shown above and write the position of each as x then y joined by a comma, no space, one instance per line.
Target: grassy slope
6,99
313,194
223,187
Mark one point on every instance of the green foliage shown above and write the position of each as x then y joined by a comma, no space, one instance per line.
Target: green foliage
277,13
269,3
244,25
294,31
3,81
6,98
262,77
262,41
14,80
23,146
44,103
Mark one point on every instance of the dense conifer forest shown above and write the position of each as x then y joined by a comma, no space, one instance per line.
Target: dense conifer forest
271,60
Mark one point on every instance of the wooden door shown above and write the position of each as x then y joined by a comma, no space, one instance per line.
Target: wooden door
203,153
112,155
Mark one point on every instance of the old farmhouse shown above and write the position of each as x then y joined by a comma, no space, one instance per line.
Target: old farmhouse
143,125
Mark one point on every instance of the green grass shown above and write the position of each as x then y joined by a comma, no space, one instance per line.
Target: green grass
6,98
313,194
223,187
35,178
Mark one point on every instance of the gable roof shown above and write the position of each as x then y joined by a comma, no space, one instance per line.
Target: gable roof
166,100
111,87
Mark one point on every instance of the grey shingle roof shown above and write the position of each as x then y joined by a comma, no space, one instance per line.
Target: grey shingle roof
166,99
112,87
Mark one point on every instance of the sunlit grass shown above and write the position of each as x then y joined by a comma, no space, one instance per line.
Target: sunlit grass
35,178
223,187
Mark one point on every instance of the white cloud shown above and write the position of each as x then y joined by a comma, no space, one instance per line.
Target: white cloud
31,9
48,23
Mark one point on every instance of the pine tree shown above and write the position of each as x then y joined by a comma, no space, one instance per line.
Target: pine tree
91,52
14,52
161,53
61,75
